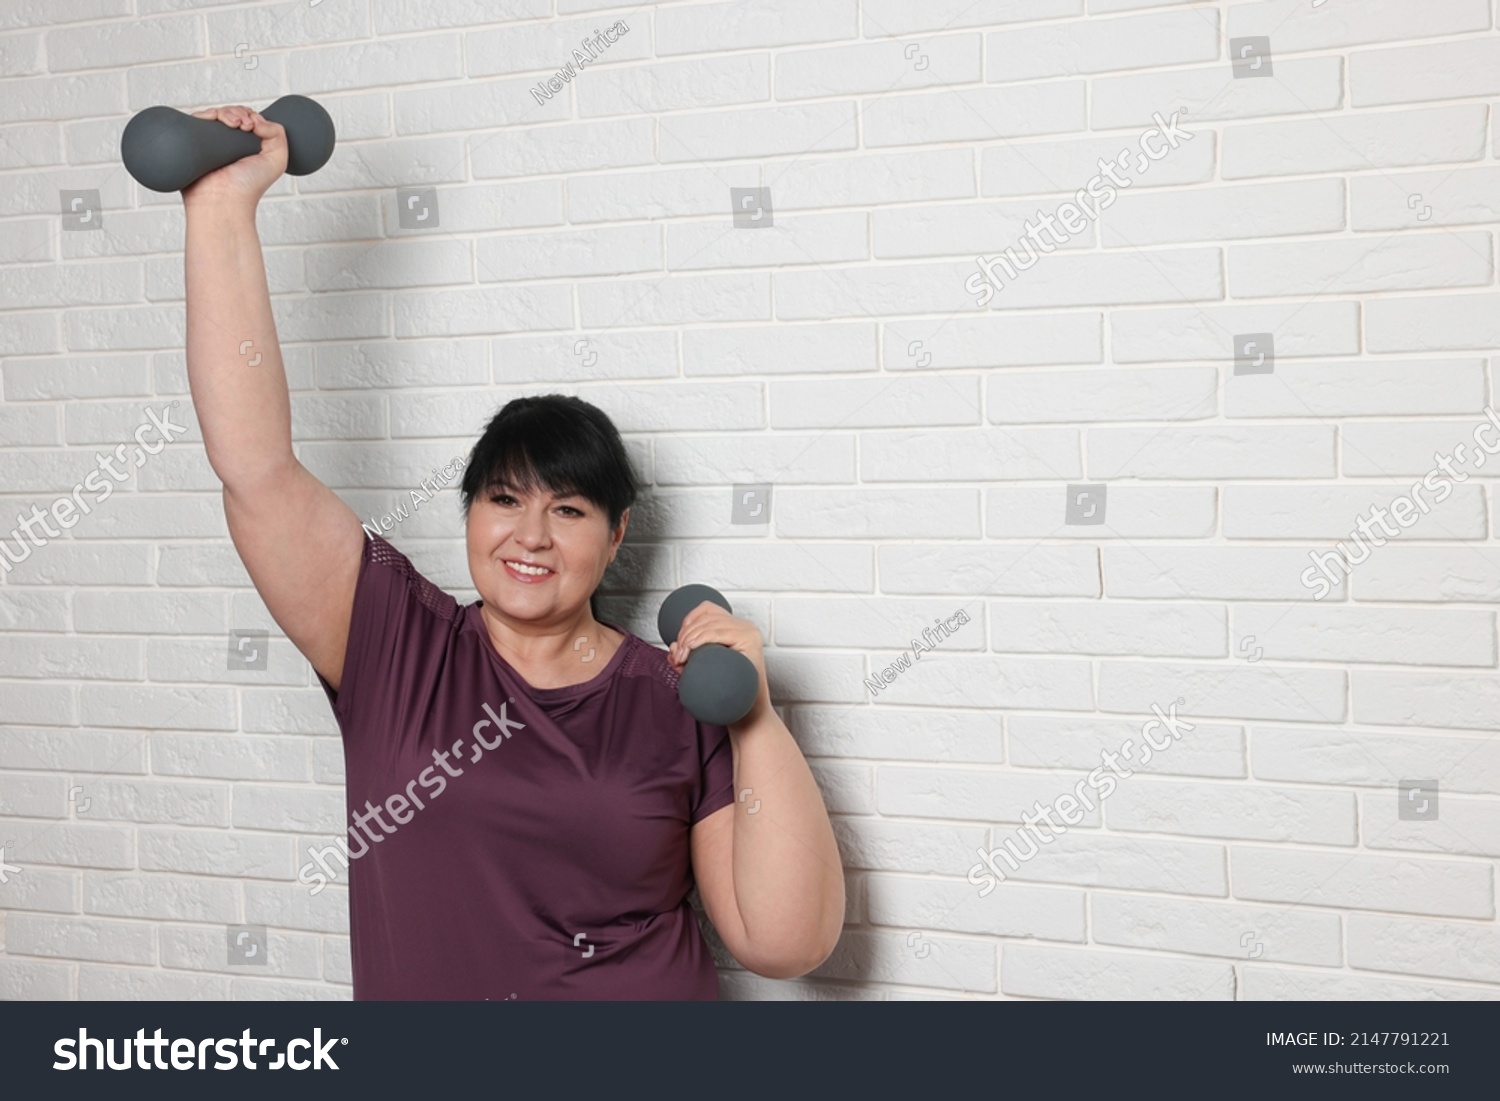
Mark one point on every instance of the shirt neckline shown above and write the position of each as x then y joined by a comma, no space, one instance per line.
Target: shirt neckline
566,691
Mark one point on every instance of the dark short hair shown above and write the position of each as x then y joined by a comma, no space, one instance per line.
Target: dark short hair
559,443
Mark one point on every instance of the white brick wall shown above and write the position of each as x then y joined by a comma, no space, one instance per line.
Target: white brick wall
923,452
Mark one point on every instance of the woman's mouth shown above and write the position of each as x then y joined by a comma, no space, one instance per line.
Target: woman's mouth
526,572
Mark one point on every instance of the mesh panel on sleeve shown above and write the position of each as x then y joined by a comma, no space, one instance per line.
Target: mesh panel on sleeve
428,595
645,660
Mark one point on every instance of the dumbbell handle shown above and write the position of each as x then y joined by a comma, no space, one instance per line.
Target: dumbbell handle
167,150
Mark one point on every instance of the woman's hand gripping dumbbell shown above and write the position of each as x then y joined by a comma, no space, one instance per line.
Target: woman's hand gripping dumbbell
167,150
719,684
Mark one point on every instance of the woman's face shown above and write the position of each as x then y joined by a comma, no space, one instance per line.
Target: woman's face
567,537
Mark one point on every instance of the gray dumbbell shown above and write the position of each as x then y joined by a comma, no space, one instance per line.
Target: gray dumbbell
167,150
719,684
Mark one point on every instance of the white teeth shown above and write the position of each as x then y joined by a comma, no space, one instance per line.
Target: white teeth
534,571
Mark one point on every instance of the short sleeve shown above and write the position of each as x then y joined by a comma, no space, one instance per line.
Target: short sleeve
390,628
716,784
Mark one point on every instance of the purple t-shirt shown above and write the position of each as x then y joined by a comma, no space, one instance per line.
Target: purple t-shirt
543,853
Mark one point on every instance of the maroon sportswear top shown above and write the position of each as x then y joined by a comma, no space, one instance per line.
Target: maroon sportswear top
511,842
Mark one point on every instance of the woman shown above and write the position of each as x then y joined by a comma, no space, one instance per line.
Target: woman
530,804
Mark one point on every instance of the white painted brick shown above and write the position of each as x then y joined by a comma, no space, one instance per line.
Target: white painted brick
160,897
863,181
950,963
291,810
991,570
1039,741
1213,92
1426,260
545,47
886,733
1405,636
1456,197
1339,879
1101,860
157,706
271,990
71,751
1115,277
783,459
836,293
745,986
794,241
959,229
23,610
675,300
1253,813
56,892
1433,322
1467,573
896,17
1103,45
1312,329
80,938
71,658
1070,396
1237,690
78,377
1215,929
291,907
157,612
575,357
1269,984
75,846
129,43
42,704
118,984
1227,213
902,402
1010,911
1331,512
421,15
879,67
336,960
561,148
1369,758
905,846
702,28
781,567
1109,628
778,349
1296,25
1466,702
866,623
1410,74
135,800
286,711
206,948
34,981
216,852
1062,167
976,794
1017,341
369,64
980,454
1444,949
1387,448
988,682
1132,512
973,114
1365,388
759,132
1382,139
1464,827
676,85
1222,452
1069,973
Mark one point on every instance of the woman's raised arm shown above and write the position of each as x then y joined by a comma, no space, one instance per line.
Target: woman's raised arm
300,544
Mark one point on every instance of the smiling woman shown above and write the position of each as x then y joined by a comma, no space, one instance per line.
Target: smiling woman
561,867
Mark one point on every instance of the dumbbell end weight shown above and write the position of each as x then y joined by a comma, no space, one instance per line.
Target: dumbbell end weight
166,150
